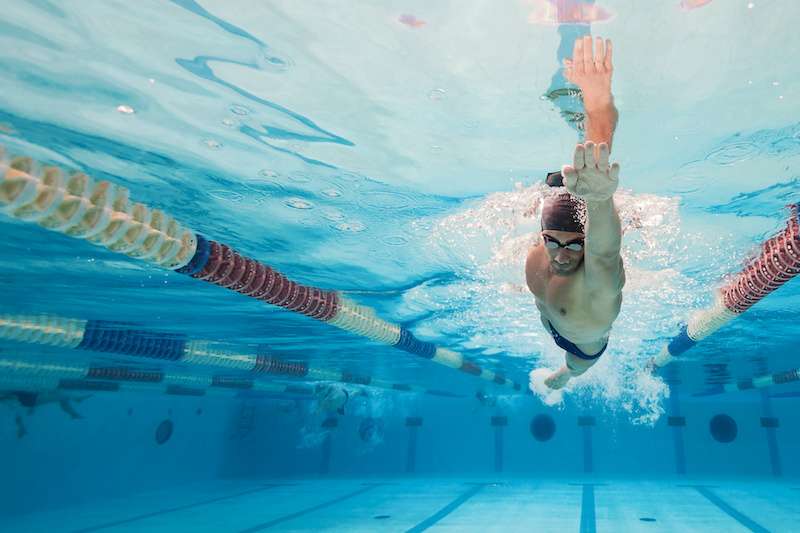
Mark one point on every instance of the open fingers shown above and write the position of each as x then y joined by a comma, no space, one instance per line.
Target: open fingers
578,158
577,55
588,60
613,173
590,157
602,156
609,50
599,54
570,177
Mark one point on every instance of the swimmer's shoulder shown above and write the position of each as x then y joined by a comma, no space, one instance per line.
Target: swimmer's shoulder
536,272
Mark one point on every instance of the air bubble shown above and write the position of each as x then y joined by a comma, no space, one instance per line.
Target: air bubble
332,193
395,240
228,196
352,226
435,148
386,200
299,203
212,144
267,173
229,123
350,176
436,94
277,63
334,215
300,177
240,110
125,109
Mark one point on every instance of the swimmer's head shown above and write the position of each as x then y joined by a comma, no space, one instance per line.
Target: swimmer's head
562,228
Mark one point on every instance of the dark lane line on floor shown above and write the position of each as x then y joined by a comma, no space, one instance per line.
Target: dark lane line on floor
737,515
588,522
303,512
447,509
179,508
588,517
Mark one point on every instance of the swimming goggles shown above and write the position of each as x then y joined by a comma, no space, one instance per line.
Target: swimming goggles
553,244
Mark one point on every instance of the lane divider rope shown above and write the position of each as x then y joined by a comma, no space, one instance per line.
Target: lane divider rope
777,263
102,213
122,338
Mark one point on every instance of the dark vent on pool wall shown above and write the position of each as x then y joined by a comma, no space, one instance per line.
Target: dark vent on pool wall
498,423
413,423
723,428
543,427
164,431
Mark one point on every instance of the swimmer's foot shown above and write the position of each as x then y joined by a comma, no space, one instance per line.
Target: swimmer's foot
558,379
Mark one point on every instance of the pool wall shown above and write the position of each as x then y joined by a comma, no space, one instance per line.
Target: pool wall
113,452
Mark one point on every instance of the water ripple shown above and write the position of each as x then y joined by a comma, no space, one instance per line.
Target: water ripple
385,200
733,153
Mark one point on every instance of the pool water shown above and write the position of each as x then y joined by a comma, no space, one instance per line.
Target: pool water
371,176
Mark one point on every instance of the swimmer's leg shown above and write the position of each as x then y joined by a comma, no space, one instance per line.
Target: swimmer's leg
66,406
574,366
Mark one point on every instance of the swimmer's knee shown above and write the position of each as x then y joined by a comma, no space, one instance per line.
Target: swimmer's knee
578,366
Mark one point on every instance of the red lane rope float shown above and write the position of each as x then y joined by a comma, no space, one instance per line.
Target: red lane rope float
101,213
778,262
227,268
125,374
270,365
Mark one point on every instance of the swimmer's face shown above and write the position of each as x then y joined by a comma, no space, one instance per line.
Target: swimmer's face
565,250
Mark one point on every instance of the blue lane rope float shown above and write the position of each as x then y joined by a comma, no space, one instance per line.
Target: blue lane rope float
121,338
101,213
24,374
777,263
758,382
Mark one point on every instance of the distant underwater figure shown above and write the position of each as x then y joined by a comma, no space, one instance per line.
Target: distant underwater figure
371,430
332,398
31,400
485,400
688,5
567,12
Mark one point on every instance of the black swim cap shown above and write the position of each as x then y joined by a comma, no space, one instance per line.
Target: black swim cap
562,212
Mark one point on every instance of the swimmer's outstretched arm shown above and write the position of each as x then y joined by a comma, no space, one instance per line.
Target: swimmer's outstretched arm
592,178
591,70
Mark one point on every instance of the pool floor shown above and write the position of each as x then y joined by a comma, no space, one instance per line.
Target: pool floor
456,505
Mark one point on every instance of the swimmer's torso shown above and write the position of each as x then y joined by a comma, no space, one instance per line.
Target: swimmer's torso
581,315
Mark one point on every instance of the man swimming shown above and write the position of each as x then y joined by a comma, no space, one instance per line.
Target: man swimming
32,400
576,272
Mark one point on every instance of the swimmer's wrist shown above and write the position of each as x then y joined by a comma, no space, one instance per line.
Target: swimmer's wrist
593,206
603,104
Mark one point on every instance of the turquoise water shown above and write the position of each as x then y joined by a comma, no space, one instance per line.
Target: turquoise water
394,152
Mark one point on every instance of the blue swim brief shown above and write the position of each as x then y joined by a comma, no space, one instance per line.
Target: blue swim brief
570,347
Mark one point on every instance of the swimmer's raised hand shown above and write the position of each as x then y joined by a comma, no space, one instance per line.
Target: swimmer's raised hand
591,177
591,69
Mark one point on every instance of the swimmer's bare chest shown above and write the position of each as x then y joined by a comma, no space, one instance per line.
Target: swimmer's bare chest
569,305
